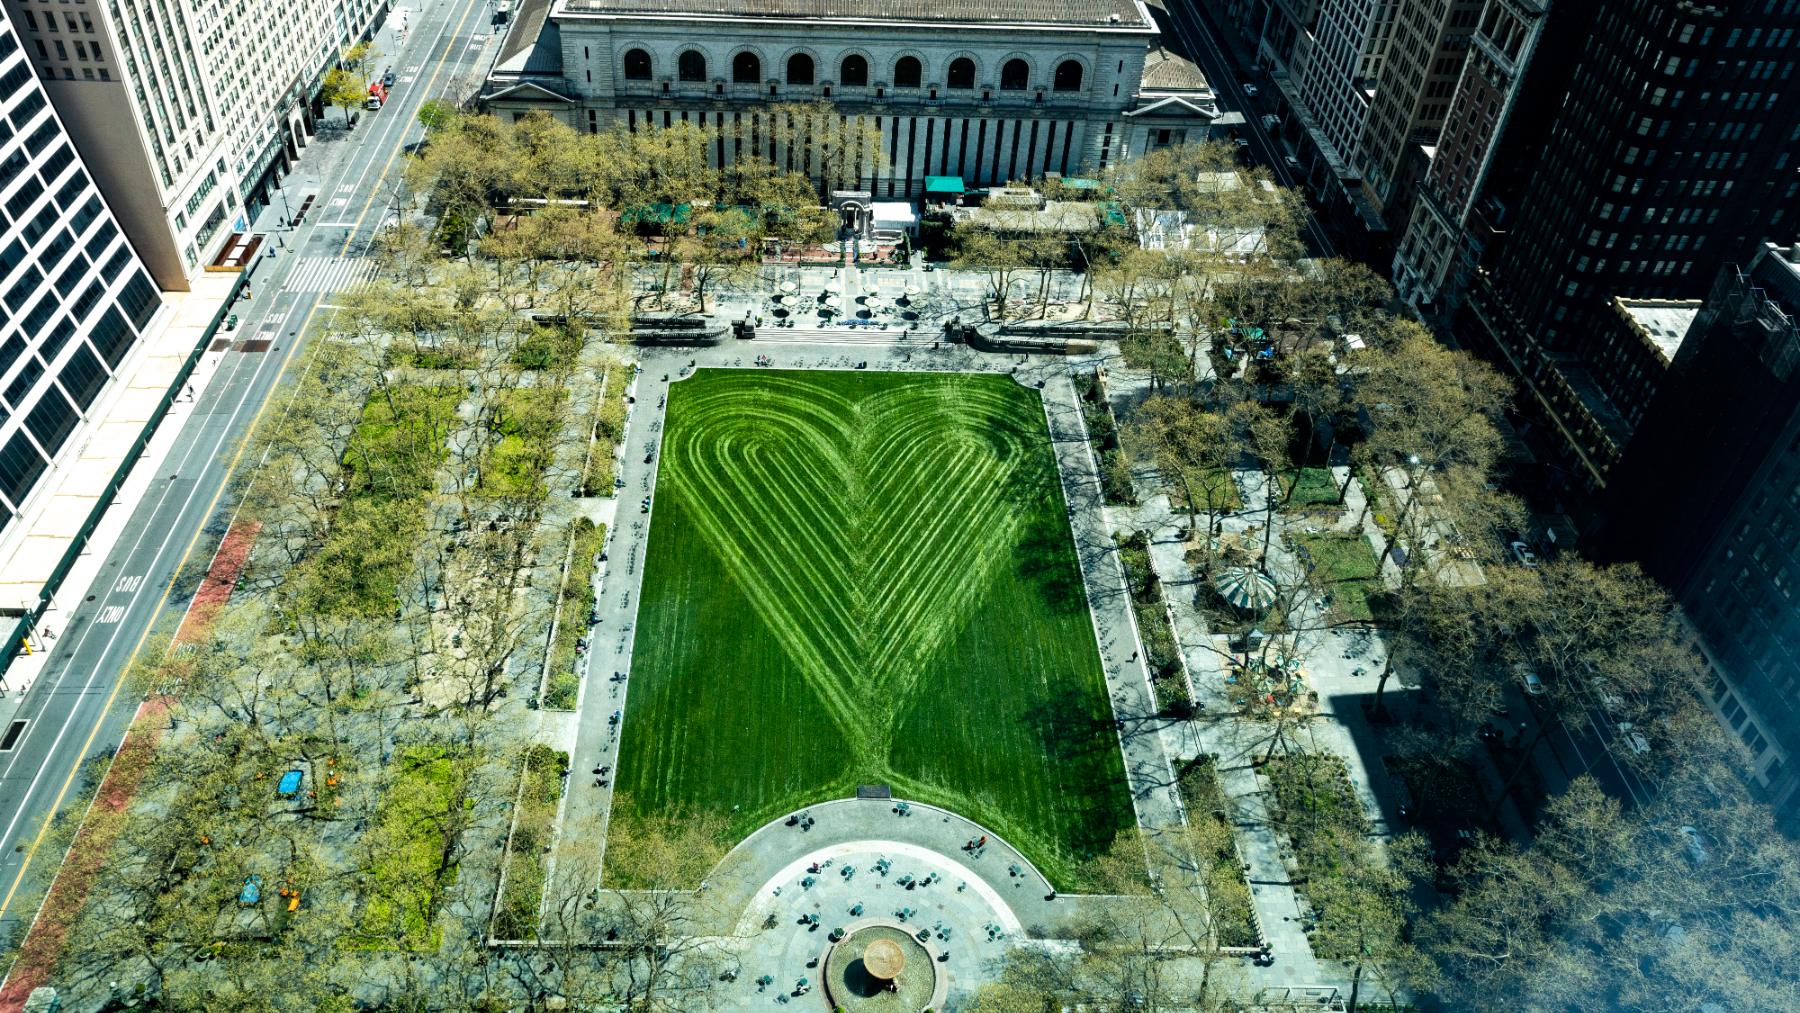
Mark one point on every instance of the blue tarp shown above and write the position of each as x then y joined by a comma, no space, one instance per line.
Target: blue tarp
252,891
289,784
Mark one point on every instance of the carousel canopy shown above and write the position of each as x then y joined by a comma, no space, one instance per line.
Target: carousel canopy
1245,588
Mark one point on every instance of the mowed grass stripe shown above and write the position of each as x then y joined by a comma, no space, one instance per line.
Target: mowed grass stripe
799,539
832,557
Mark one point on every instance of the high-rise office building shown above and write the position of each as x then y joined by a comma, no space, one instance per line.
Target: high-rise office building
1708,499
1273,26
181,107
1334,71
1652,143
1462,199
1412,96
76,296
1673,152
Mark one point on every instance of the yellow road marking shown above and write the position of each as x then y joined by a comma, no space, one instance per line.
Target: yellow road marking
230,469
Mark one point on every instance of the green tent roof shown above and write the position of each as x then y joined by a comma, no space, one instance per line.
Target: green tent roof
944,184
1080,183
659,214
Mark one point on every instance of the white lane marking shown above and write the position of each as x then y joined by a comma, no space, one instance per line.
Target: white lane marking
192,448
261,362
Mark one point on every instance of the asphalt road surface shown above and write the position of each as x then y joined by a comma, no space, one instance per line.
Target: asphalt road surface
1199,40
78,706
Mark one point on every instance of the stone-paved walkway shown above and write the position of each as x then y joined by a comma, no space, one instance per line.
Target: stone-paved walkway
1149,772
1149,744
768,883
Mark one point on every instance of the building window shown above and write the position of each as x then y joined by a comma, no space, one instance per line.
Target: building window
800,69
746,68
962,73
1014,76
908,72
637,65
691,66
854,72
1068,76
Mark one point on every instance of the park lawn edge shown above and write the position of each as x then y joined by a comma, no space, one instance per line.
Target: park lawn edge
1052,855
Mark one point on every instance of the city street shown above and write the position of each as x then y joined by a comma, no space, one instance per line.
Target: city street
78,706
1199,40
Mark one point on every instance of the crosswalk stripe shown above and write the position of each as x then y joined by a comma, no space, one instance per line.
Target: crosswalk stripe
328,274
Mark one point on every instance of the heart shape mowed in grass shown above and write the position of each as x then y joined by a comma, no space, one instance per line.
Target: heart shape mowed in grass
862,527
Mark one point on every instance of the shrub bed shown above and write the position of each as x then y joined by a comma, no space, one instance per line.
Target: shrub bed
563,684
1314,805
516,911
390,469
527,420
1162,653
1209,812
609,429
407,873
1103,433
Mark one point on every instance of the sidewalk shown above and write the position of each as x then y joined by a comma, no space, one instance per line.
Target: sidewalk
82,476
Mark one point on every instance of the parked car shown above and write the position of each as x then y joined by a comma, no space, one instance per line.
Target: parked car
1292,163
1249,89
1271,122
1532,684
387,79
1524,555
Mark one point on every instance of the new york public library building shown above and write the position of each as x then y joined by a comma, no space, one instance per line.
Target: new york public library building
990,92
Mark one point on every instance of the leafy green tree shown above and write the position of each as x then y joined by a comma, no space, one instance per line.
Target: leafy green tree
344,89
436,113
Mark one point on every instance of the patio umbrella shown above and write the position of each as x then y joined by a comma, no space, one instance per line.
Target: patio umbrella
788,286
831,301
1245,588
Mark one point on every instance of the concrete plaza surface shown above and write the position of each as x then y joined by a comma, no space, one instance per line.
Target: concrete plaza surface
759,887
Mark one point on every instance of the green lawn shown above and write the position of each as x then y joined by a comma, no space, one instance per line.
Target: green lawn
527,420
406,879
390,468
1310,487
1345,567
869,578
1216,490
